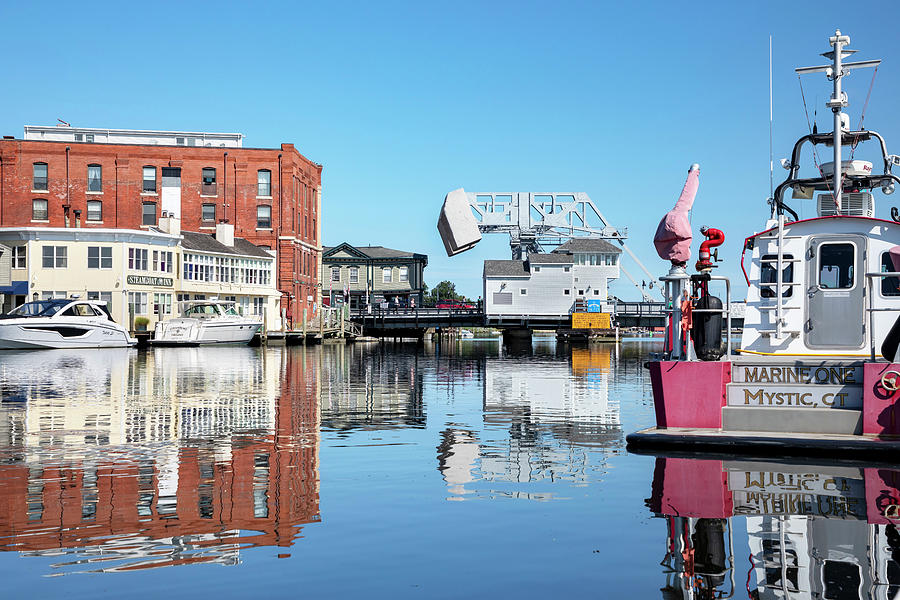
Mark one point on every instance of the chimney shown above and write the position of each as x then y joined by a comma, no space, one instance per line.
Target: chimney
225,234
170,224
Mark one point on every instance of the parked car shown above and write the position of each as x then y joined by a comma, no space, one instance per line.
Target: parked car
453,304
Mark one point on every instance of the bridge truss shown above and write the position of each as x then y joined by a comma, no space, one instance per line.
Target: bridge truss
535,222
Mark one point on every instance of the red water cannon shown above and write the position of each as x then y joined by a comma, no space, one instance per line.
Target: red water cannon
714,237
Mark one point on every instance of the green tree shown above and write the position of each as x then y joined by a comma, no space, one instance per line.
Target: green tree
445,290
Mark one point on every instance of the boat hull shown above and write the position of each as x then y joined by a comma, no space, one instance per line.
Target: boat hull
32,336
193,332
777,406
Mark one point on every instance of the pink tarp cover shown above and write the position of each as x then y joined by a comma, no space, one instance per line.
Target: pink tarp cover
673,235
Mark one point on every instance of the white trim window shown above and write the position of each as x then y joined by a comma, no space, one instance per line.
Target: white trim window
162,304
95,178
19,254
137,303
335,274
259,306
99,257
264,183
354,274
404,274
55,257
39,210
137,259
94,211
387,275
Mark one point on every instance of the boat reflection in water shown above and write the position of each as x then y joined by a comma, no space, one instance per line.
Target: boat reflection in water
117,460
813,531
543,422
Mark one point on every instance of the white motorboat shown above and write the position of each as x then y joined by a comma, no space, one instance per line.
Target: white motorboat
206,322
62,323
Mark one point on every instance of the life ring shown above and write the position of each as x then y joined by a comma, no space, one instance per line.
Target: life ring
891,384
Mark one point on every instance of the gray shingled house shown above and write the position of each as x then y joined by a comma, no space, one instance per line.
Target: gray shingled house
372,274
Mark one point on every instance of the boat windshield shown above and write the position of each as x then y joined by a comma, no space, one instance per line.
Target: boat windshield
39,308
231,310
202,310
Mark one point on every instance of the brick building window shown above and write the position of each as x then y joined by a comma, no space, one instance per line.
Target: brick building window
208,182
18,257
55,257
149,186
264,182
335,274
94,210
148,213
95,178
208,212
387,275
39,210
39,176
99,257
263,216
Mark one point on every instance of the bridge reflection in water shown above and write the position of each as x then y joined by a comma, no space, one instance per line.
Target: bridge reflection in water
116,460
543,421
812,531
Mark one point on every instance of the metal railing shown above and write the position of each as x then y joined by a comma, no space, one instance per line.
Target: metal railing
871,310
674,287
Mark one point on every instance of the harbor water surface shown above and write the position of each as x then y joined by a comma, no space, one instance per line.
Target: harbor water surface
466,469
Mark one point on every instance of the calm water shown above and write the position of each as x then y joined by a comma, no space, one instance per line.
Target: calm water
462,470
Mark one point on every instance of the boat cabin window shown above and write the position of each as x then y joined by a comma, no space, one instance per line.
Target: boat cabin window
836,266
40,308
890,286
202,310
231,310
80,310
768,275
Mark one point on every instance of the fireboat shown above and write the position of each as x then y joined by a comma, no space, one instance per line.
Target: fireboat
817,369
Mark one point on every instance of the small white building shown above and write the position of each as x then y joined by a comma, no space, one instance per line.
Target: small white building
550,284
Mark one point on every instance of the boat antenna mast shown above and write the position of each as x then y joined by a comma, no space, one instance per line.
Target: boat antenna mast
838,101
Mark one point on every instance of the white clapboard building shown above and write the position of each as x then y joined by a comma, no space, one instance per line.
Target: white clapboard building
549,284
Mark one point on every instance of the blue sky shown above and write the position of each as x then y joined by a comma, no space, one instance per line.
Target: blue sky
403,102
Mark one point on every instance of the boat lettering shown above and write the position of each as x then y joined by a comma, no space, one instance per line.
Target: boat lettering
792,482
799,504
825,375
762,397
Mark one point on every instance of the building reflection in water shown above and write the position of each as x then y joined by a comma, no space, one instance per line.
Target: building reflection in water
813,531
119,460
370,387
551,417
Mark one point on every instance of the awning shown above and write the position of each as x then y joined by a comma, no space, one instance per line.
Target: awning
18,288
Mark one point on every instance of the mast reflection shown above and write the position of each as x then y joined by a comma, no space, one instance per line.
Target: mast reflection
125,460
813,531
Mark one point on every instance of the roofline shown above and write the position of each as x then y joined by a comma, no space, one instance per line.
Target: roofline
143,131
75,231
749,237
220,148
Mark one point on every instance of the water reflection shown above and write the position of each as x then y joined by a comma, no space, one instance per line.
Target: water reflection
812,531
124,460
370,388
543,421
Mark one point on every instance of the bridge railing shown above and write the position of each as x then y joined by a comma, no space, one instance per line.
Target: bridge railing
640,309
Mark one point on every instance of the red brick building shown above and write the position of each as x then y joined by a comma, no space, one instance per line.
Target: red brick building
271,195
